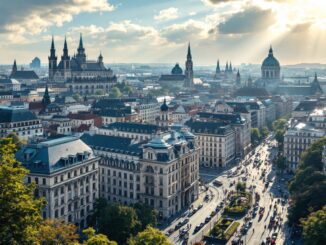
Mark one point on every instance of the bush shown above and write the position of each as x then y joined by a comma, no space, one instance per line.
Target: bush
230,231
224,229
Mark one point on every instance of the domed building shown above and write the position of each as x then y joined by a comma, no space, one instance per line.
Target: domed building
176,70
270,69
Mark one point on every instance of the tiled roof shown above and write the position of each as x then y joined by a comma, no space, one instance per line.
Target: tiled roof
15,115
24,75
133,127
217,128
112,143
306,105
223,117
54,155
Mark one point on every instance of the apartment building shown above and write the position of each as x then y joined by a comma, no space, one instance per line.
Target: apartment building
65,171
162,173
20,121
216,141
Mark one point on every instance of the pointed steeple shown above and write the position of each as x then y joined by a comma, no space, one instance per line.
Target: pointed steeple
65,48
227,67
81,42
238,80
218,70
230,67
270,51
52,50
46,97
52,44
14,68
189,52
315,79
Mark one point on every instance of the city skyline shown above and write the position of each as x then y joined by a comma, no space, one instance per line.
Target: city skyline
135,32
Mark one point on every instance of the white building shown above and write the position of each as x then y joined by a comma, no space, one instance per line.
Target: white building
162,173
20,121
216,141
297,139
66,173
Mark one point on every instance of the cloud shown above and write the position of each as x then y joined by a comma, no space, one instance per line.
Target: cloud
302,27
23,18
187,31
250,20
167,14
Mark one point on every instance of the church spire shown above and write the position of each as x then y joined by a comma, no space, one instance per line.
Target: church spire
14,68
46,97
230,67
52,50
227,67
270,51
189,52
65,48
80,42
218,70
238,80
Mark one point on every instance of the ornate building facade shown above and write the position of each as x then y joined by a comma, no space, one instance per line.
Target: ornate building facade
77,69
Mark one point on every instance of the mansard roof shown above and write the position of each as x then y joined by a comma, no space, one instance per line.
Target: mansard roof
133,127
112,144
217,128
8,115
24,75
223,117
54,155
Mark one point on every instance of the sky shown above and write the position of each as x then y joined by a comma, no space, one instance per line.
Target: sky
158,31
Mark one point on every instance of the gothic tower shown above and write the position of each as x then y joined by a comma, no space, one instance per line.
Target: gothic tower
14,68
238,79
65,59
81,56
46,97
230,68
189,73
217,70
52,61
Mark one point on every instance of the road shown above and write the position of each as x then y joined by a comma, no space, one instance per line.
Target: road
268,197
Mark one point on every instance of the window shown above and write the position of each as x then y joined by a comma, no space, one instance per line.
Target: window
44,181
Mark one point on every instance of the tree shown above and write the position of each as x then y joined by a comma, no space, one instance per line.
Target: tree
146,214
279,136
53,232
264,132
99,239
150,236
115,92
281,163
314,228
15,140
77,97
240,187
255,135
279,124
308,187
20,212
118,222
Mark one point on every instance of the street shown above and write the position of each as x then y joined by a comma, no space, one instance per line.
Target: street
264,222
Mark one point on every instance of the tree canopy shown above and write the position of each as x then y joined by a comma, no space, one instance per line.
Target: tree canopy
255,135
150,236
19,210
314,227
308,186
96,239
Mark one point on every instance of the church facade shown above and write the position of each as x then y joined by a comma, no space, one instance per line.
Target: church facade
76,69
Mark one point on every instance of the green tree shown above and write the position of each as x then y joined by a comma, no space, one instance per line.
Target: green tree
281,163
118,222
57,232
96,239
146,214
19,210
264,132
99,92
240,187
314,228
279,124
308,187
150,236
255,135
279,136
115,92
77,97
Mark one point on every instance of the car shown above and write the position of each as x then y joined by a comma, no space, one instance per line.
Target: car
208,218
185,221
197,228
201,224
200,206
213,214
217,183
206,198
